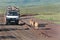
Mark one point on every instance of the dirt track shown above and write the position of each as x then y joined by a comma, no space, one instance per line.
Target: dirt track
47,31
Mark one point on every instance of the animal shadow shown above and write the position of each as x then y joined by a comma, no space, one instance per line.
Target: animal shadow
42,25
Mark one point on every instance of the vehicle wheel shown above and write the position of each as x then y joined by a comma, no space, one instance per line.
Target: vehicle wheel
17,22
6,22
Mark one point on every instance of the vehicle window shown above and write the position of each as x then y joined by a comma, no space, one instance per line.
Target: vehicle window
12,14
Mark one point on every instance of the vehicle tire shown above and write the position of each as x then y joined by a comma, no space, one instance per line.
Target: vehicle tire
17,22
7,22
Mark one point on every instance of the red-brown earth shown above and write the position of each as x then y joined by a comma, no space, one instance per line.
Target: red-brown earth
47,30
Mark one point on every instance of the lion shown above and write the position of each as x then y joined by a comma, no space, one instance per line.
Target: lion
31,22
34,24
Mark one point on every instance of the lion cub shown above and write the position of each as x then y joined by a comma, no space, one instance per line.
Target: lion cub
34,24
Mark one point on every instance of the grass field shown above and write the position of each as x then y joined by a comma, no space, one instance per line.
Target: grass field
50,12
54,18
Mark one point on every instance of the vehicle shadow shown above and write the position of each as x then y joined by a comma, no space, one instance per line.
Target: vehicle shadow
7,37
12,24
9,29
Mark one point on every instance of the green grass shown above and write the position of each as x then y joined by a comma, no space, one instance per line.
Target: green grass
45,10
54,18
51,12
49,17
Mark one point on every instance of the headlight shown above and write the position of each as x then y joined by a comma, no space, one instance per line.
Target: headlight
17,18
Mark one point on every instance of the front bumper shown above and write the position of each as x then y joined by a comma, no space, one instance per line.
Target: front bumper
12,20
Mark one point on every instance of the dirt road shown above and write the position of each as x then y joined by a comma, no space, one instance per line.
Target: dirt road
47,31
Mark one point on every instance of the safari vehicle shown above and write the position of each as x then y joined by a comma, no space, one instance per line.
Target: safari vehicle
12,15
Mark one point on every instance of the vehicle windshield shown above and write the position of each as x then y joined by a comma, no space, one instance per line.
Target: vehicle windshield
12,14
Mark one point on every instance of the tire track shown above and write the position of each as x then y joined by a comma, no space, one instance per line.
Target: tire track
5,35
18,37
